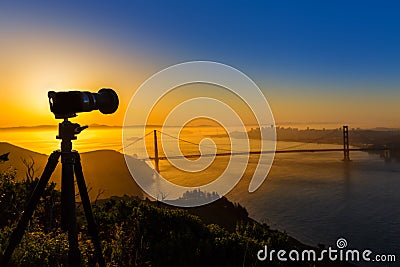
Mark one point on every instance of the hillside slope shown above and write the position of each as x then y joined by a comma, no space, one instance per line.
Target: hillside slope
99,168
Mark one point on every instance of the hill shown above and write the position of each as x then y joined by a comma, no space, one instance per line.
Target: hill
100,169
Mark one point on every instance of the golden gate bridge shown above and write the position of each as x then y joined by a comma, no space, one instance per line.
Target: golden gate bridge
152,139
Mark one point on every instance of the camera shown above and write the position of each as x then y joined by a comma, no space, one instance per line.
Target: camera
67,104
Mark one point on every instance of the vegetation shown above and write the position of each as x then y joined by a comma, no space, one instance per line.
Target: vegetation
134,232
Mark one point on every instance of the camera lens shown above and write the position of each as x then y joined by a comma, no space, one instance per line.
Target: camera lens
107,101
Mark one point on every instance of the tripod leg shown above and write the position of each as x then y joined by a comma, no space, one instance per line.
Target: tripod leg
19,231
88,210
68,209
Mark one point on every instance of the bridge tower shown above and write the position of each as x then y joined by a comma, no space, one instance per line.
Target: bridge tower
156,159
386,155
346,149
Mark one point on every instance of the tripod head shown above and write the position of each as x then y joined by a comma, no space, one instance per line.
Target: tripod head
67,132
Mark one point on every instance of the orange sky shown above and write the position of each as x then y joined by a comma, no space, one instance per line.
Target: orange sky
53,62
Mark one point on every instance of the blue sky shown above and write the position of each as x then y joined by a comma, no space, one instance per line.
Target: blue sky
321,47
339,41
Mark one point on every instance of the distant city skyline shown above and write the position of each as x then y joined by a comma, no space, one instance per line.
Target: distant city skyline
314,61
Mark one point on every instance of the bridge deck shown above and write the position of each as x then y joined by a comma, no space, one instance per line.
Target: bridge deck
264,152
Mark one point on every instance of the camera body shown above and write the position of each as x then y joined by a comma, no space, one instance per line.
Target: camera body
67,104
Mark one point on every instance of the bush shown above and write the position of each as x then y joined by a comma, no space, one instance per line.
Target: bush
133,232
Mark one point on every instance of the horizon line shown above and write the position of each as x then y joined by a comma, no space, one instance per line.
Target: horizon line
310,124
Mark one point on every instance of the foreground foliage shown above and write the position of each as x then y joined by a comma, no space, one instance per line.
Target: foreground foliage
133,232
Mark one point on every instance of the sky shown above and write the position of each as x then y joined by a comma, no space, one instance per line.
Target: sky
315,61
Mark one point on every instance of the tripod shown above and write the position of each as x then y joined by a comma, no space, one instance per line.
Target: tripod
71,164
